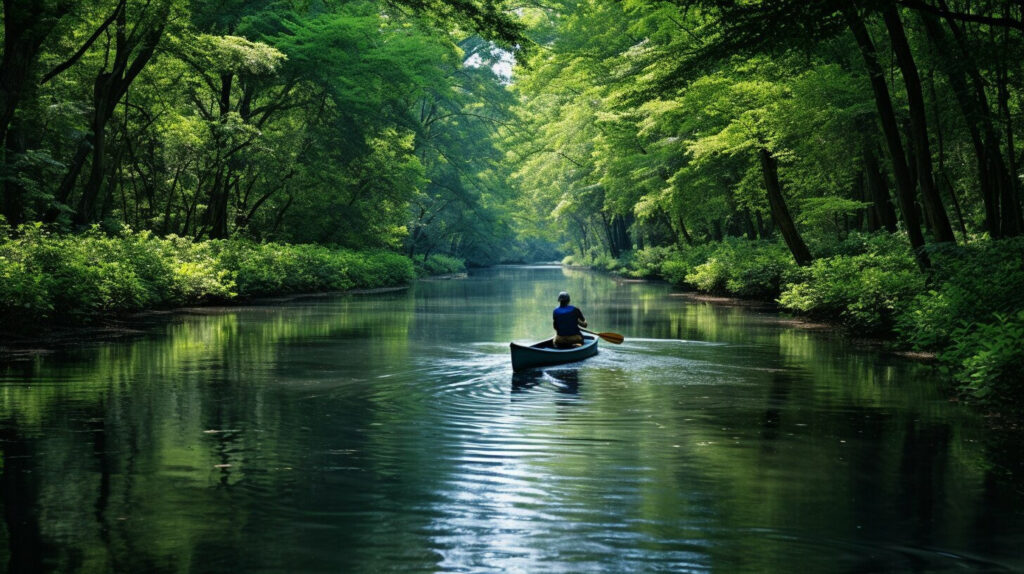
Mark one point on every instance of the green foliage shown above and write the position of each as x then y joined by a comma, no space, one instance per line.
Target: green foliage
754,269
438,265
710,276
827,215
196,274
967,284
601,260
50,278
860,243
73,279
647,263
371,269
356,124
676,268
865,292
987,359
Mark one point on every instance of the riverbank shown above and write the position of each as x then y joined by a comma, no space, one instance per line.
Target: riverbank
967,310
55,283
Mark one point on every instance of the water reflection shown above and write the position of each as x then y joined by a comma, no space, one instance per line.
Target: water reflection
382,433
526,380
565,381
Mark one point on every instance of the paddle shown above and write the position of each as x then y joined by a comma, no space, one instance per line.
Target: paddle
613,338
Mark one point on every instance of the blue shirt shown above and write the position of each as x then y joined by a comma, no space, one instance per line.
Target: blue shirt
567,320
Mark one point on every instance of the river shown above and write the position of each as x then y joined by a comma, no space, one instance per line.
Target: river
386,432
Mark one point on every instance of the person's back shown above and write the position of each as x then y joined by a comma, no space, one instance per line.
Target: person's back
567,321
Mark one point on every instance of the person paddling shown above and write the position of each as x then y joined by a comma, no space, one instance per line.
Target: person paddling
567,323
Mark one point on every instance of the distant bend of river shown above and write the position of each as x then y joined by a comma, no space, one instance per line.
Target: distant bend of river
386,432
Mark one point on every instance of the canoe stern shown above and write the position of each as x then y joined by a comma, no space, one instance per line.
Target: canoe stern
536,355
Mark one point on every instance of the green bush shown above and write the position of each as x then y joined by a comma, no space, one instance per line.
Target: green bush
370,269
684,262
73,279
710,276
968,284
196,272
647,263
859,243
866,292
268,268
752,269
438,265
987,359
601,261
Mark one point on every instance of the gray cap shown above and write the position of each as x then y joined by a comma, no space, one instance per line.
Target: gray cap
563,297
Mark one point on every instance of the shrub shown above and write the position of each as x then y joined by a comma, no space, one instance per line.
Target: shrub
987,359
438,265
860,243
601,261
197,274
49,278
369,269
647,263
683,262
24,293
865,292
709,276
968,284
753,269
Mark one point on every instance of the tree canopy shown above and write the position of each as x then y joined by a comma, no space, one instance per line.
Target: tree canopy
661,122
398,123
351,123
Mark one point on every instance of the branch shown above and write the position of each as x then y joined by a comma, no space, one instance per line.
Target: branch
963,16
85,47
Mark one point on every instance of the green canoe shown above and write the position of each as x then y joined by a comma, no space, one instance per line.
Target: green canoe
544,353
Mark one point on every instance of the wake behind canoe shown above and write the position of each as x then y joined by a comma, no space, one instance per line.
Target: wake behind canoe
544,353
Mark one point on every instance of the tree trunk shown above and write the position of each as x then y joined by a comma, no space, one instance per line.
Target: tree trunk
85,212
683,231
14,193
26,26
866,219
878,190
1000,175
216,216
887,117
622,237
1009,203
930,197
943,180
764,231
780,213
216,221
606,224
108,90
976,115
748,224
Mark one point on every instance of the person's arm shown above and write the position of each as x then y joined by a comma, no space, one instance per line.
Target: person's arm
580,319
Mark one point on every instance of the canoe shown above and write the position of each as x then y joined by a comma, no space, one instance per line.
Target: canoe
544,353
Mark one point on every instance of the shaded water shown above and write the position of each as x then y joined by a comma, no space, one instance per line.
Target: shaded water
387,432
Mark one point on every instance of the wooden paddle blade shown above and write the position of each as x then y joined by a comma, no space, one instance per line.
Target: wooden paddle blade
613,338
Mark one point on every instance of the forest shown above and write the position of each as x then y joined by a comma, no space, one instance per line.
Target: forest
854,161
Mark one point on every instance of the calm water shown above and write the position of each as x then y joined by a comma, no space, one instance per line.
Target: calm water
387,433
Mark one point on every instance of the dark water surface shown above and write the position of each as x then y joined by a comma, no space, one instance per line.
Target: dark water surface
387,433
